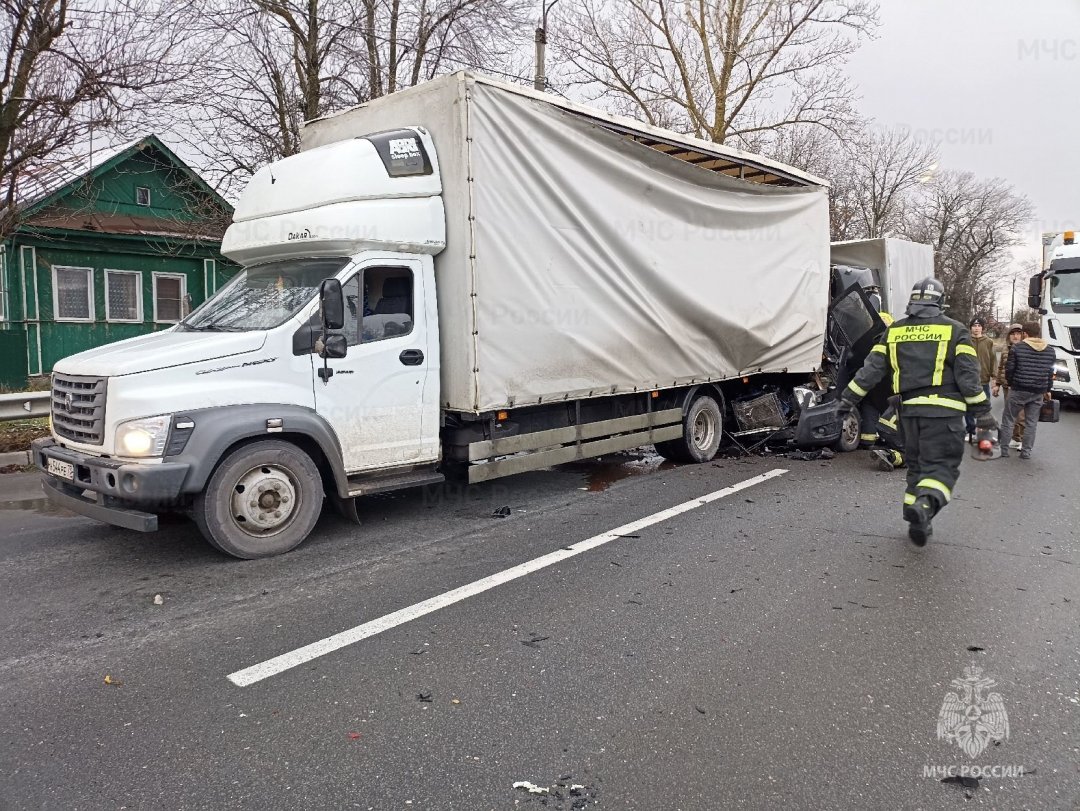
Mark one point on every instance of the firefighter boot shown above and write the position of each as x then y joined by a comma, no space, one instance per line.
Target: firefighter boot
918,516
887,459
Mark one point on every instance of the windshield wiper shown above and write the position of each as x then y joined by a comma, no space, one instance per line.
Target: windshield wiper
213,328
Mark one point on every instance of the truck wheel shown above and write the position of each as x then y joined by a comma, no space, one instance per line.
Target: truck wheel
849,433
703,427
263,500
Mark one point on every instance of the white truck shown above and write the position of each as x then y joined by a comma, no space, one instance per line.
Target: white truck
1055,293
463,274
895,265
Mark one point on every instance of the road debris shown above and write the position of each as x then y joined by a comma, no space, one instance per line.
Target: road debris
110,680
811,456
425,697
560,795
532,788
354,736
532,643
966,782
501,512
159,600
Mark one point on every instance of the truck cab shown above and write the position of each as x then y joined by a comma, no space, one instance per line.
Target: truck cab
169,420
1055,294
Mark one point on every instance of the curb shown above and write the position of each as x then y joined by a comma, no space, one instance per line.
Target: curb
16,458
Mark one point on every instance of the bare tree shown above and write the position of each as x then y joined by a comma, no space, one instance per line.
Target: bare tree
269,65
725,70
886,165
971,224
407,42
72,68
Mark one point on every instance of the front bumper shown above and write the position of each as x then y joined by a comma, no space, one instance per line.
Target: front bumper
121,493
1067,384
820,425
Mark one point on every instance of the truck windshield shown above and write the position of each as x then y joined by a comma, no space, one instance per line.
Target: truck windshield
264,296
1065,288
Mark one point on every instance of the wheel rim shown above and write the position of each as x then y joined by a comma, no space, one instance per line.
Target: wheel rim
704,430
851,429
265,501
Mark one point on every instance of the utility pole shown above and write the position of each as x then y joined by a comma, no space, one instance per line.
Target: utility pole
540,78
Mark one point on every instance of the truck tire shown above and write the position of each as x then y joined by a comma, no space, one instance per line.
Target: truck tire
849,433
703,428
263,500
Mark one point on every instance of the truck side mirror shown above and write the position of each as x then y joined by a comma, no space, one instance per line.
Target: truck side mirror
1035,291
331,305
334,346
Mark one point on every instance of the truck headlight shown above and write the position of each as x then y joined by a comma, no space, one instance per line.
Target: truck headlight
143,437
1061,372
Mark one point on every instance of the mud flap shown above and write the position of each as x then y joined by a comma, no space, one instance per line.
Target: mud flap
346,508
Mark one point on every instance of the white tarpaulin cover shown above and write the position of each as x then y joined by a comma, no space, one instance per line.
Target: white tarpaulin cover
898,262
580,263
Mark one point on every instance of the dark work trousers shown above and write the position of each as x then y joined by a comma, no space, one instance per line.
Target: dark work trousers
934,448
868,423
891,430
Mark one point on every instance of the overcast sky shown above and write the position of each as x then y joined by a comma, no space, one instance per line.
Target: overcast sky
996,82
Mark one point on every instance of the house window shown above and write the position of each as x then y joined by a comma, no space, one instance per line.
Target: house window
123,296
142,195
73,293
169,291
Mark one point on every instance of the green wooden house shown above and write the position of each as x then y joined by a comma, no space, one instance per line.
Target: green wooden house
125,248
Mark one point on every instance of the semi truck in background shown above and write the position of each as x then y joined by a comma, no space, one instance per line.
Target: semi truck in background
1054,292
465,274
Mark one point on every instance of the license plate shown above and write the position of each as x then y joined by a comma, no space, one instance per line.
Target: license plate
65,470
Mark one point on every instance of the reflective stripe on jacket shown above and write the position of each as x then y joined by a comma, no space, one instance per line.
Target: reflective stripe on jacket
930,363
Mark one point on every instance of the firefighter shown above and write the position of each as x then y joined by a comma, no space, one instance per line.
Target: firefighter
874,429
933,367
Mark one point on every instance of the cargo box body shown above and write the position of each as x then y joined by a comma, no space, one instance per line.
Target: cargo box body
581,263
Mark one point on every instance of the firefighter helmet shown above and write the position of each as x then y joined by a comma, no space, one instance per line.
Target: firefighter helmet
927,291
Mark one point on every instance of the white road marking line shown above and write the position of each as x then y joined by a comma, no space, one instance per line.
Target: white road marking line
295,658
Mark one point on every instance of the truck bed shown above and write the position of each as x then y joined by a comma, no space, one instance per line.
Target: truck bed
582,260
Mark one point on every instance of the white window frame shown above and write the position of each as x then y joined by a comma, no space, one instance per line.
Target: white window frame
149,198
138,297
89,295
183,293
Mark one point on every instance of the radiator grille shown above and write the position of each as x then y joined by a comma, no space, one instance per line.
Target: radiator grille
78,408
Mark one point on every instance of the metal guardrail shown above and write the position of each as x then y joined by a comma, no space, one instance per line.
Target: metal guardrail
24,405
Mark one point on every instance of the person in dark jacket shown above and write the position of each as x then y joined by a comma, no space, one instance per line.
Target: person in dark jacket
1029,371
1015,336
935,370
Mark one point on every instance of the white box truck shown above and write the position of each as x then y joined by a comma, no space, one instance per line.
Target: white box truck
465,273
1055,293
895,265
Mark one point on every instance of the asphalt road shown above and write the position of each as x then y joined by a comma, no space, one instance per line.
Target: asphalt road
782,645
